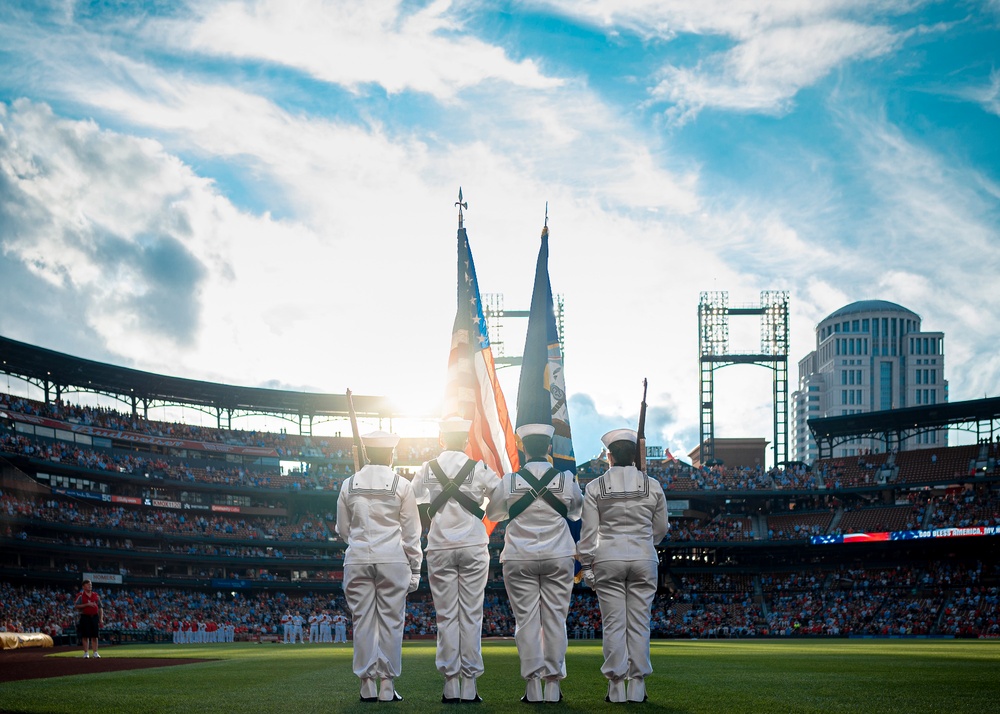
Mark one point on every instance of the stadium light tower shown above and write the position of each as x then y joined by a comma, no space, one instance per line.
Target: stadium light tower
714,312
495,314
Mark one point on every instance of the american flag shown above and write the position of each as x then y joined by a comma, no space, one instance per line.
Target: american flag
473,391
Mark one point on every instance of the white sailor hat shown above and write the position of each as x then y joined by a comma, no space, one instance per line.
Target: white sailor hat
536,430
620,435
454,424
380,440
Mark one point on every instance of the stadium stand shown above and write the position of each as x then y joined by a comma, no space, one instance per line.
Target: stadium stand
191,524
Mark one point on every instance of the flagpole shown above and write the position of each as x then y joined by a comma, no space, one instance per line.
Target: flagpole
464,204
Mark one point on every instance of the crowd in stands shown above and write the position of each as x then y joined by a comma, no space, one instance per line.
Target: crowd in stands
156,468
308,527
903,600
793,526
964,509
937,598
719,529
913,510
287,446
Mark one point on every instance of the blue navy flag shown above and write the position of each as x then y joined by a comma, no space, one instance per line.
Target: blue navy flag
541,391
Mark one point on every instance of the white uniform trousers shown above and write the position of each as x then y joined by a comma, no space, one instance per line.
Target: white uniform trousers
625,591
457,577
539,593
314,633
341,633
376,595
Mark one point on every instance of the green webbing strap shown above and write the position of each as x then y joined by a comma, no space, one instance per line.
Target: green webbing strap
451,490
539,489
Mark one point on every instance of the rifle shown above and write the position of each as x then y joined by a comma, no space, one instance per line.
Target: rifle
360,455
640,444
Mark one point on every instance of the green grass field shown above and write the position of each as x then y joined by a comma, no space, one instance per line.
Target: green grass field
701,676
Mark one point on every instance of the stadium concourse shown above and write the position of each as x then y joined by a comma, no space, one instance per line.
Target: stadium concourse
195,530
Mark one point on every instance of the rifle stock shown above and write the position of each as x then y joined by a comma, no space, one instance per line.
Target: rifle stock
640,446
358,449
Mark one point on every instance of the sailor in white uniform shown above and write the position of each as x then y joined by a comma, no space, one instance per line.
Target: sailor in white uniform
377,517
451,492
538,559
624,518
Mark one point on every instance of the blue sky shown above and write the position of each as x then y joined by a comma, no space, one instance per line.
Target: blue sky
262,192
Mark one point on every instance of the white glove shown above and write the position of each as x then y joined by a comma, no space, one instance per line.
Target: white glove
414,582
588,577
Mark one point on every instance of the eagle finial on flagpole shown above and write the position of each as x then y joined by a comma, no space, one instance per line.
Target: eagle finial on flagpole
461,204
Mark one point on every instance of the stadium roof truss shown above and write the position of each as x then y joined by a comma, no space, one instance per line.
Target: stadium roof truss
893,426
56,374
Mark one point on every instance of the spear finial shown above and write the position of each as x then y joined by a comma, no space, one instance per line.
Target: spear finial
545,228
461,205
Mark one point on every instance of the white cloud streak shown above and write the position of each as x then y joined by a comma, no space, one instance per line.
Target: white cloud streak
987,95
764,72
778,47
352,44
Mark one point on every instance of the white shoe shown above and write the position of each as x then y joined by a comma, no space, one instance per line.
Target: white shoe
97,656
637,690
452,690
552,691
388,692
616,691
369,690
86,655
533,691
469,693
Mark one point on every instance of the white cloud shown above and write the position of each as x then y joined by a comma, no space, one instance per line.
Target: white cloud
352,44
764,72
740,19
988,95
779,47
107,218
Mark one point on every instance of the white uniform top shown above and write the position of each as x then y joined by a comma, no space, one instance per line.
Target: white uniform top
453,526
624,517
377,517
539,532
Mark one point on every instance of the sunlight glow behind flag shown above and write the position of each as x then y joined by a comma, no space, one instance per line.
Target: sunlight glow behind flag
541,391
473,391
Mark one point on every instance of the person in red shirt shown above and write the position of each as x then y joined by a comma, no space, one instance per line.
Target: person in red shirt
88,604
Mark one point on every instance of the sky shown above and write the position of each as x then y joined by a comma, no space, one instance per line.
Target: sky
262,192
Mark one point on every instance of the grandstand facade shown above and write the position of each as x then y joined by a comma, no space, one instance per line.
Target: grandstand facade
870,356
182,524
